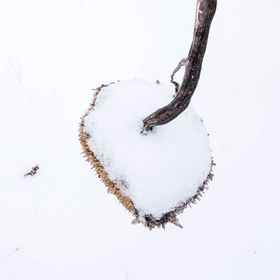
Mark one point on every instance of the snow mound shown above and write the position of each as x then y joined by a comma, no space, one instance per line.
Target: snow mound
160,171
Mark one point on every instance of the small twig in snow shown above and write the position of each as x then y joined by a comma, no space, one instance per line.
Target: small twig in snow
7,256
33,171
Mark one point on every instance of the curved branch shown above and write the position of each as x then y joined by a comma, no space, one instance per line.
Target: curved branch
205,11
183,62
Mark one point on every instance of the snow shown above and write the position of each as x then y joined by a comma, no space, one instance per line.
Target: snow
161,170
52,53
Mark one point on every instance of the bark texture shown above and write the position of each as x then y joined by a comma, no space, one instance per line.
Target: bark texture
205,11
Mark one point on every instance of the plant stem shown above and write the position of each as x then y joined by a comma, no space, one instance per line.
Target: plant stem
205,11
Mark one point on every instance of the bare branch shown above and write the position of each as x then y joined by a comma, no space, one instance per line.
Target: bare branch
205,11
33,171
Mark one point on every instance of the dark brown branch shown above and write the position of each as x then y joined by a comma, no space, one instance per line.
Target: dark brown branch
205,11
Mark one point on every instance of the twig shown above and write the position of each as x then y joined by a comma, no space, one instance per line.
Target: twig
7,256
182,63
33,171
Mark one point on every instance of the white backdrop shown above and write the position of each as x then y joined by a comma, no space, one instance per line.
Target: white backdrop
61,224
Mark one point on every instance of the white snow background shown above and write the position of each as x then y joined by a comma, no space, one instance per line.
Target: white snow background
61,224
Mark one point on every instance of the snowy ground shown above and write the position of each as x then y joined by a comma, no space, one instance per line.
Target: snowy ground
61,224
